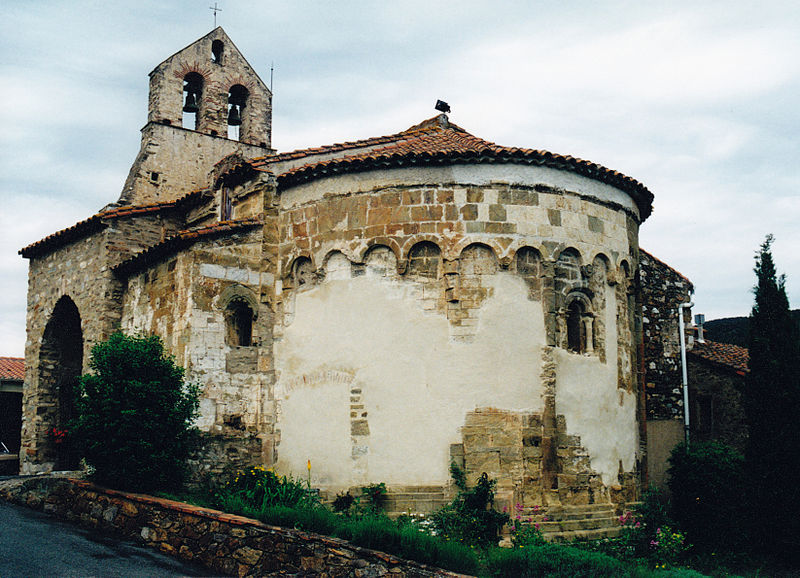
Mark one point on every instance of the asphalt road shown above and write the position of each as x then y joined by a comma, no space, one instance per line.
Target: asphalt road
34,544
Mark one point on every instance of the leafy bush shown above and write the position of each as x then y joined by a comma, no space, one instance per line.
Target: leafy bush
374,496
707,484
343,502
469,518
135,414
647,537
259,488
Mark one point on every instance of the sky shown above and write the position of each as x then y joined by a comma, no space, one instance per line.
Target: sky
696,100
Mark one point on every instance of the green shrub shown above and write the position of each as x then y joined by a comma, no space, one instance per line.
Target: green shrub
343,502
377,532
374,496
260,488
707,484
135,414
647,537
551,560
469,518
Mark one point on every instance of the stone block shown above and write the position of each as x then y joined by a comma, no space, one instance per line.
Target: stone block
469,212
474,195
497,213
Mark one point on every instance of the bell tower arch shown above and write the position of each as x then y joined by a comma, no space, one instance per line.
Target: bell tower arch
206,102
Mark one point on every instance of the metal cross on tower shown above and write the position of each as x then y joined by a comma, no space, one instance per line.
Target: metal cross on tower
215,10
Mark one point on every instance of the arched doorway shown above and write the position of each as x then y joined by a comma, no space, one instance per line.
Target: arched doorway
60,365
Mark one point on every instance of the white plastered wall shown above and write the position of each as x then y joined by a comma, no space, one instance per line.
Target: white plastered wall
603,415
371,336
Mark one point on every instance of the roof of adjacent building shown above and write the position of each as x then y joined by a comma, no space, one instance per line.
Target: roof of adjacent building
438,141
726,355
12,368
183,239
98,221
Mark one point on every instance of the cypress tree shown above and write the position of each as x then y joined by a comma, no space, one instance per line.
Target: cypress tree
772,405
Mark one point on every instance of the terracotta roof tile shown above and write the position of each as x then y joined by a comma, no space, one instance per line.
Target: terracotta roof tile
183,239
437,141
725,354
12,368
98,221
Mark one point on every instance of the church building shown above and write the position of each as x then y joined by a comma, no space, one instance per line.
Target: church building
382,308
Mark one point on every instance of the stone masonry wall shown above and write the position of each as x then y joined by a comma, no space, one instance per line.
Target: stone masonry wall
218,76
173,161
230,545
663,289
80,273
715,397
183,299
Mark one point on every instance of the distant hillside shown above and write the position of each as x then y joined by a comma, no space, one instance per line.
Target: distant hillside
733,330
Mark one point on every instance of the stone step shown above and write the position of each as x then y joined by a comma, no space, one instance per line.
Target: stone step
415,489
415,499
596,534
576,525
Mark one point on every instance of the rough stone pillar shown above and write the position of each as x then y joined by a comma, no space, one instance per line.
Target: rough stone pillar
270,275
549,302
549,428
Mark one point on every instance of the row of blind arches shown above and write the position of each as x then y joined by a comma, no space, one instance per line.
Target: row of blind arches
425,259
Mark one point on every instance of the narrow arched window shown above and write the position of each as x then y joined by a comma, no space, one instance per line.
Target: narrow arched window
239,323
193,94
216,51
576,337
237,101
225,205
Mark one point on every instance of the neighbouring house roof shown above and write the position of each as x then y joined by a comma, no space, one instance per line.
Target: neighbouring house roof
99,221
12,368
725,355
183,239
437,141
662,264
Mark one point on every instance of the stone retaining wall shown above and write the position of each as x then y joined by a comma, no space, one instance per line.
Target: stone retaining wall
225,543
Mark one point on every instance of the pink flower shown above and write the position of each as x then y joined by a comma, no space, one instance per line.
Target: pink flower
537,525
637,525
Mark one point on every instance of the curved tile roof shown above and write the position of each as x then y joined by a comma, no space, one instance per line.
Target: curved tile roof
183,239
437,141
725,354
98,221
12,368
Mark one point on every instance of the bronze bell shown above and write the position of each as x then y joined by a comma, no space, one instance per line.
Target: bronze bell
234,116
191,102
